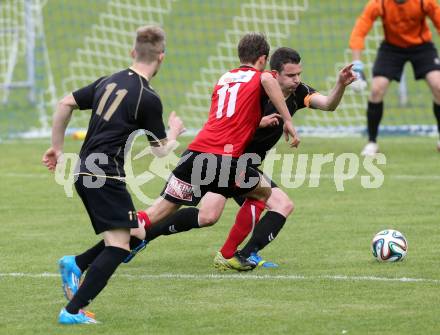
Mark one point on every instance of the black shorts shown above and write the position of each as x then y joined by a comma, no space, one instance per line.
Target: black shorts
109,206
239,199
390,60
198,173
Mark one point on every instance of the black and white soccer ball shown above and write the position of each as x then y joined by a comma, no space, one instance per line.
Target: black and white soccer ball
389,246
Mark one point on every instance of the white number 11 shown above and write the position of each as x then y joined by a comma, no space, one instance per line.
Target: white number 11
232,99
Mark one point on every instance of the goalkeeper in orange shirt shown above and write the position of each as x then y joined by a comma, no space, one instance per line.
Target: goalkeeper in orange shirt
406,38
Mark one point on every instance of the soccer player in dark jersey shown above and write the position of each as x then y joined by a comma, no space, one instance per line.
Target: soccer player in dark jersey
212,161
121,104
286,64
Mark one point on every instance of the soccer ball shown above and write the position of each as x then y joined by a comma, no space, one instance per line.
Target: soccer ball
389,246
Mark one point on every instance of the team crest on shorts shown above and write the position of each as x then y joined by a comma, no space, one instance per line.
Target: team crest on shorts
179,189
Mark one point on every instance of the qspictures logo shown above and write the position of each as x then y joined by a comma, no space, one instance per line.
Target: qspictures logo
287,170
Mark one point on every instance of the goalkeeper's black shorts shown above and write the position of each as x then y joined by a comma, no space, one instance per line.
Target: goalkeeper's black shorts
390,60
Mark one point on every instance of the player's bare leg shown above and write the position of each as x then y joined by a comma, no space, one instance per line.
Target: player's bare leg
211,208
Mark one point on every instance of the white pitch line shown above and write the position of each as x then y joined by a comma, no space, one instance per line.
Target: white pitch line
207,277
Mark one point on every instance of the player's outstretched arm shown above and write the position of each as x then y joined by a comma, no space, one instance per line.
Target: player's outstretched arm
176,128
273,90
331,101
61,119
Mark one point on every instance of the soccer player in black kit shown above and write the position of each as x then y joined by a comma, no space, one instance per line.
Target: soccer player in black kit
286,63
121,104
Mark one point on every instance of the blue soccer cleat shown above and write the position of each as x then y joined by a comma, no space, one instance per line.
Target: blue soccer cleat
135,250
70,276
65,318
260,262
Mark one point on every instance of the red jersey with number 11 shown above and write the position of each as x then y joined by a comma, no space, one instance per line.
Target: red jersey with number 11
236,111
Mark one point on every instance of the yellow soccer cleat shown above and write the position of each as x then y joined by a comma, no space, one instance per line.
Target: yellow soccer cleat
237,262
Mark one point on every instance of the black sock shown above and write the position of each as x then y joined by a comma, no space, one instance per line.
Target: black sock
436,109
97,276
134,242
374,115
264,232
183,220
85,259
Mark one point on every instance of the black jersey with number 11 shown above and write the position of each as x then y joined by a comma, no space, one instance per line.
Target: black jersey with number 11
121,104
266,138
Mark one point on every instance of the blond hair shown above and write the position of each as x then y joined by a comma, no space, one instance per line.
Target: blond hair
149,43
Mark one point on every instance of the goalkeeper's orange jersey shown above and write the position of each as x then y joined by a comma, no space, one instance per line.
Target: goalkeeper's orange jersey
404,24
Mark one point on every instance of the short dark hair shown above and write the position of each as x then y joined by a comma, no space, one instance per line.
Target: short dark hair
251,47
283,56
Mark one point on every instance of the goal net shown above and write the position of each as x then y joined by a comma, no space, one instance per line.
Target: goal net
49,48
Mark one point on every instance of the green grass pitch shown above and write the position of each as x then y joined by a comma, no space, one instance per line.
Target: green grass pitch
327,283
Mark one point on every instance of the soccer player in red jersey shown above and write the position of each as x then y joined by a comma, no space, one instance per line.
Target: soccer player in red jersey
286,63
214,161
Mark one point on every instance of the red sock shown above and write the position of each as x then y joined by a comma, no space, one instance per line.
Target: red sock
246,218
143,219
